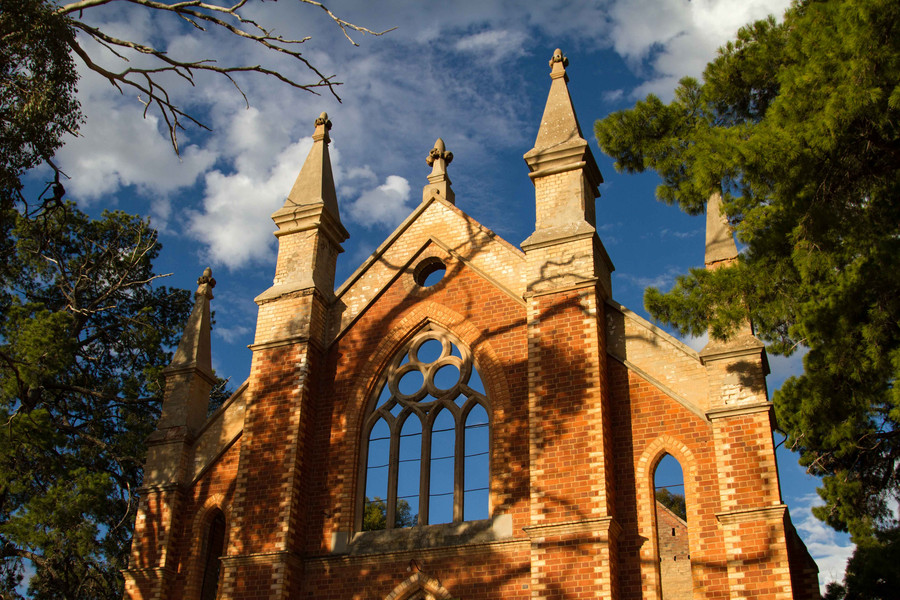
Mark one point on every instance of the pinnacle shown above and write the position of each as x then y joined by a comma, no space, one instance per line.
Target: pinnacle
194,347
720,244
559,123
315,183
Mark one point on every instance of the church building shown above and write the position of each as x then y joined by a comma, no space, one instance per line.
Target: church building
464,418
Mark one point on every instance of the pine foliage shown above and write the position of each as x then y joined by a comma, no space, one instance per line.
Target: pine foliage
83,337
797,124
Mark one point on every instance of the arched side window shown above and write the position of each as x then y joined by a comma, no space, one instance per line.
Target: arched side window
212,550
426,449
672,543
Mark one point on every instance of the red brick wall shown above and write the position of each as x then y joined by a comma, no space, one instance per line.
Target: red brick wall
490,322
647,425
674,555
213,490
595,433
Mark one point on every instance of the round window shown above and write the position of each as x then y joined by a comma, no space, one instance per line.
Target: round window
429,272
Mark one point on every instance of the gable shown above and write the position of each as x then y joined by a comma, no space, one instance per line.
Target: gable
440,224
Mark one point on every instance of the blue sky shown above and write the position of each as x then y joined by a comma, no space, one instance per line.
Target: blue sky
473,73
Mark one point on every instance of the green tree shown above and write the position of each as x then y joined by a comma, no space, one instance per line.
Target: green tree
375,514
83,335
37,89
796,125
674,502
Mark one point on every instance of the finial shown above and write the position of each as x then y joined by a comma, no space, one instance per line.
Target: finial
558,57
205,283
323,120
439,152
438,182
323,125
558,65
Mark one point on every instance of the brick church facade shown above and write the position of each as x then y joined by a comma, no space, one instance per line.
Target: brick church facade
464,418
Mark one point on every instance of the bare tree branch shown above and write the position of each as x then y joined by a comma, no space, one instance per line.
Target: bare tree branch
205,17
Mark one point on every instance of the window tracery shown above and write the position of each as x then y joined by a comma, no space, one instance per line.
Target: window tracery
426,438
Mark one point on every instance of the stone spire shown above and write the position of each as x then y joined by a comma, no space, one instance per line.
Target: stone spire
310,232
189,378
315,183
737,366
566,178
438,181
558,125
720,246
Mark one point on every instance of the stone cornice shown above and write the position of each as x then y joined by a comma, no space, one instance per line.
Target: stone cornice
587,283
607,525
558,235
738,410
288,341
747,515
707,356
263,558
152,572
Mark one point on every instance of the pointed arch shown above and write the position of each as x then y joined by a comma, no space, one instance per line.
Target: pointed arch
209,541
439,471
419,585
646,503
423,314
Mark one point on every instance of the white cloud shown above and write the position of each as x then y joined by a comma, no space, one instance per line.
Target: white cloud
612,96
494,45
678,38
117,147
662,281
234,222
829,548
386,205
231,334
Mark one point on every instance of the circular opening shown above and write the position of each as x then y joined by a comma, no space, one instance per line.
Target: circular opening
446,377
429,272
429,351
410,383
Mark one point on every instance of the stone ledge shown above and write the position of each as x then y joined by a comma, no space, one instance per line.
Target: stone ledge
738,410
262,558
587,283
149,572
747,515
607,525
379,558
552,236
430,536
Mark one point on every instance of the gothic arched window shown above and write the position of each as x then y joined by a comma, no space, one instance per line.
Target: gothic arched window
213,549
425,456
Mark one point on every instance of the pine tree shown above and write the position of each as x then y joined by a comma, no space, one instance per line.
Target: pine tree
84,329
797,125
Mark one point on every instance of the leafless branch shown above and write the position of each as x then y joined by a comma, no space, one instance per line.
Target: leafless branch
203,16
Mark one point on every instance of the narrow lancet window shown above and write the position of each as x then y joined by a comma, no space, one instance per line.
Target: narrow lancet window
214,546
672,530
